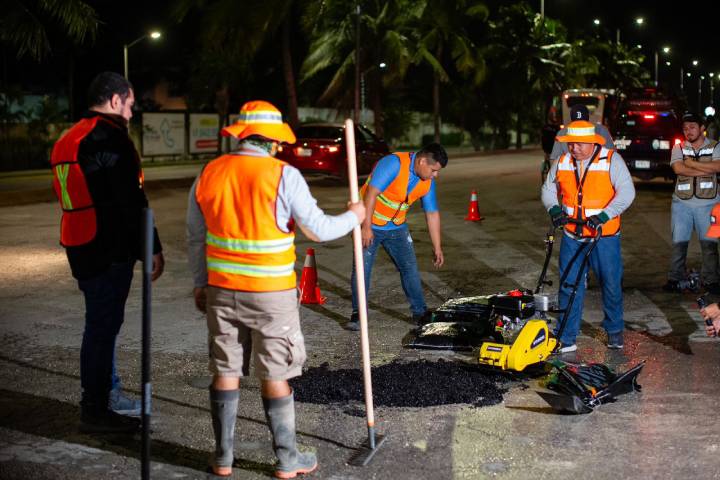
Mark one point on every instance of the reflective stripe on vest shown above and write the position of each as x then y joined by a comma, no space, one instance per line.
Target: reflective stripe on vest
245,248
61,172
596,192
393,203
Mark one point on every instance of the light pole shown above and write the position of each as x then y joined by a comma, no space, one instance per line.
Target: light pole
639,21
358,79
665,50
700,79
154,35
712,75
382,66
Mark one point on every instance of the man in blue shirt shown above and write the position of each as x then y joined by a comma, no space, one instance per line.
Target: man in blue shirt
396,182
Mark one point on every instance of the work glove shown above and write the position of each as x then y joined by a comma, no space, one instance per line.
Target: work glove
558,217
594,221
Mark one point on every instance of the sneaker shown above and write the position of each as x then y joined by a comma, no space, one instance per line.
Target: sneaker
123,405
354,323
567,348
615,341
107,421
672,286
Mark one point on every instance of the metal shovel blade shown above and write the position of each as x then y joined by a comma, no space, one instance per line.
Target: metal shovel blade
365,454
565,403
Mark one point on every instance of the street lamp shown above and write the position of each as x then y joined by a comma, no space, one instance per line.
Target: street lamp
639,21
154,35
665,50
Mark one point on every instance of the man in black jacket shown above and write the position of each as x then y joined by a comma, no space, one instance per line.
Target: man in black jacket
99,184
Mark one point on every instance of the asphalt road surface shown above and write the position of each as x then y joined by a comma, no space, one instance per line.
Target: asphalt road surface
669,430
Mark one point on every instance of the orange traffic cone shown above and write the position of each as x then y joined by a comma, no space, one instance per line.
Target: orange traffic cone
309,289
473,211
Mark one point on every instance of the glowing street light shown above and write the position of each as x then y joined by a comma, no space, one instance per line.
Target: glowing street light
154,35
640,21
596,21
695,63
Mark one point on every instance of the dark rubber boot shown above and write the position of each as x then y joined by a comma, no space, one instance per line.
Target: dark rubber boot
223,408
709,271
678,257
280,414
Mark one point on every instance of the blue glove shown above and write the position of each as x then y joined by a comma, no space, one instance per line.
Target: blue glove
558,217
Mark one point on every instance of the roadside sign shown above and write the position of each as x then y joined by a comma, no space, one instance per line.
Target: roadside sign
163,134
204,129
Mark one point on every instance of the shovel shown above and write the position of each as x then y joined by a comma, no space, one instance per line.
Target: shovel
368,449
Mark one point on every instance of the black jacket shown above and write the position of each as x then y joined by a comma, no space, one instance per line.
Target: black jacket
111,166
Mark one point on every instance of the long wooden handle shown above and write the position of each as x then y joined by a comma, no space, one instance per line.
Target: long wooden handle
359,273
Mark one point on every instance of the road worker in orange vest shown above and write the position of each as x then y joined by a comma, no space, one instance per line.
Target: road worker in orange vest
590,183
241,220
396,182
98,182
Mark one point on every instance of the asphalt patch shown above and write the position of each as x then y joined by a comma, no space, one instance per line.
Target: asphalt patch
420,383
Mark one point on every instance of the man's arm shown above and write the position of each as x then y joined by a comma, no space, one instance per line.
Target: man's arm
702,168
370,198
296,201
549,191
433,224
196,235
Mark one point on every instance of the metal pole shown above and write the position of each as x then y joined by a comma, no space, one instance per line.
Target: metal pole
699,110
542,9
712,95
148,235
682,79
356,113
125,60
362,97
656,68
617,36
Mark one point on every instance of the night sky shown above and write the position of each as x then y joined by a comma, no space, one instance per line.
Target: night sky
682,30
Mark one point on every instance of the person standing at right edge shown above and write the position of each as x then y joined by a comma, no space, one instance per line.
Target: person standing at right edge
696,162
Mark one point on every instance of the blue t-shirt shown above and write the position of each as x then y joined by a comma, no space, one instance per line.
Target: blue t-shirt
386,171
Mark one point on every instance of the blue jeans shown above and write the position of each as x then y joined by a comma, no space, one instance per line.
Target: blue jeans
399,246
685,218
105,297
606,263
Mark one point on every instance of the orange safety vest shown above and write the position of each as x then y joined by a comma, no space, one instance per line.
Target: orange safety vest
594,193
245,248
393,203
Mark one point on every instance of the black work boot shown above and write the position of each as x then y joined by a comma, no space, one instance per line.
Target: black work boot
709,271
223,409
678,257
280,414
104,420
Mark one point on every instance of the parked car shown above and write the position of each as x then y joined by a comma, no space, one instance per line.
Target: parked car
320,149
648,127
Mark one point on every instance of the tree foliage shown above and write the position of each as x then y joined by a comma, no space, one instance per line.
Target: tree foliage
27,26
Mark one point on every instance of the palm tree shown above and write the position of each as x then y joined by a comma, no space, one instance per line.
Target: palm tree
25,25
444,32
385,28
232,37
529,55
